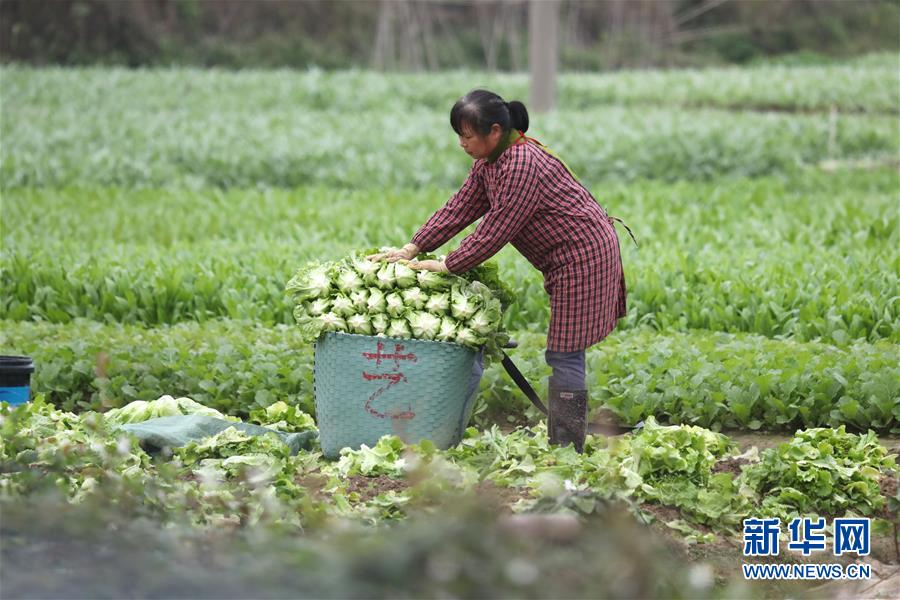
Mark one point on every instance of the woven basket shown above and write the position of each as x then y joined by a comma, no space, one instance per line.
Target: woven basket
368,386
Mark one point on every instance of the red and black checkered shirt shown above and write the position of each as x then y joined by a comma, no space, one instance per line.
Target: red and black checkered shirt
528,198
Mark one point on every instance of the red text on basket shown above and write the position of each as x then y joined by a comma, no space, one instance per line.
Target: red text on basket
393,378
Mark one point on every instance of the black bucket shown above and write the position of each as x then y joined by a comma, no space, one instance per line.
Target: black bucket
15,379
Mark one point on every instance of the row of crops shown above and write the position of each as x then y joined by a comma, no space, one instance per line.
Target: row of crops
297,147
150,223
225,130
811,257
711,379
867,84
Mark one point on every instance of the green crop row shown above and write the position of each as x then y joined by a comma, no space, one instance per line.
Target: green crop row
747,382
723,381
162,128
868,85
840,87
844,210
777,293
713,380
811,257
227,365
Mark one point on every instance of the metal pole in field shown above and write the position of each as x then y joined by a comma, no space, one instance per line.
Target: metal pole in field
543,25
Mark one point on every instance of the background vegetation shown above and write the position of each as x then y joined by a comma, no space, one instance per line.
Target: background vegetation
420,35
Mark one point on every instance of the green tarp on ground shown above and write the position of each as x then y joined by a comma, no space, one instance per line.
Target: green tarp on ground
177,431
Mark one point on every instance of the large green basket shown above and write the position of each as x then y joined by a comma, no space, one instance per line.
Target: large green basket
368,386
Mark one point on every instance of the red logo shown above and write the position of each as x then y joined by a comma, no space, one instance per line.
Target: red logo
394,377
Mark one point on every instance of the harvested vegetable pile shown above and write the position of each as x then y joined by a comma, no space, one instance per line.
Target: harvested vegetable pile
356,295
165,406
821,471
235,479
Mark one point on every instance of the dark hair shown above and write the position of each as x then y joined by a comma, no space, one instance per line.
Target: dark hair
480,109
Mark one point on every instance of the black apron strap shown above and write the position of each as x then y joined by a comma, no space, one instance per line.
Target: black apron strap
523,384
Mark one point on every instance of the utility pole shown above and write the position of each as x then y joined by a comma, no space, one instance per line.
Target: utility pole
543,27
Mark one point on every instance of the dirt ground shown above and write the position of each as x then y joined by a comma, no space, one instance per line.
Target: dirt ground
762,440
726,555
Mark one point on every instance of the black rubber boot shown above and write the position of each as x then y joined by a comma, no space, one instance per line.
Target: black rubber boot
567,422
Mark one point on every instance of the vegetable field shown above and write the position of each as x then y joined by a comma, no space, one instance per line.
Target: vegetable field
152,219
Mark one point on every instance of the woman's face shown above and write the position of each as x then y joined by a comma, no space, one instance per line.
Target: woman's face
477,145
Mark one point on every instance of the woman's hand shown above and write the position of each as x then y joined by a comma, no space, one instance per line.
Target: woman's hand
407,252
437,266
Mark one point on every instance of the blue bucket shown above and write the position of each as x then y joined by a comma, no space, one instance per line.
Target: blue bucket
15,379
368,386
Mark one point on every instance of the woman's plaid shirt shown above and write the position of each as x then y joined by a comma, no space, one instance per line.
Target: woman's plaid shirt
529,198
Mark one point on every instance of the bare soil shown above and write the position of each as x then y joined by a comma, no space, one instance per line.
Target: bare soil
370,487
730,465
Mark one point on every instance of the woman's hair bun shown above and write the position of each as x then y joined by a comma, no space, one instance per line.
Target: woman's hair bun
518,115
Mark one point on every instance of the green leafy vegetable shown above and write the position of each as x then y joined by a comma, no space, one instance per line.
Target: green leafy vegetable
399,328
442,306
360,324
448,331
424,325
165,406
310,282
349,280
394,304
342,306
376,303
282,416
438,303
414,298
404,277
823,471
385,278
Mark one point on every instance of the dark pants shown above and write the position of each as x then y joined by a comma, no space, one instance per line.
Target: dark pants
568,371
475,378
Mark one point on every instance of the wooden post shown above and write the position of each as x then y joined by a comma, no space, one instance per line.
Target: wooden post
543,27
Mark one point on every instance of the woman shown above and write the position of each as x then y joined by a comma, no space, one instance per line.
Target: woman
526,196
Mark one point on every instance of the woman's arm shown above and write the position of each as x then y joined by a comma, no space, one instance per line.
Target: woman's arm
518,199
463,208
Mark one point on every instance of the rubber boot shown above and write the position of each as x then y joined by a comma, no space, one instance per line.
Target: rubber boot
567,421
